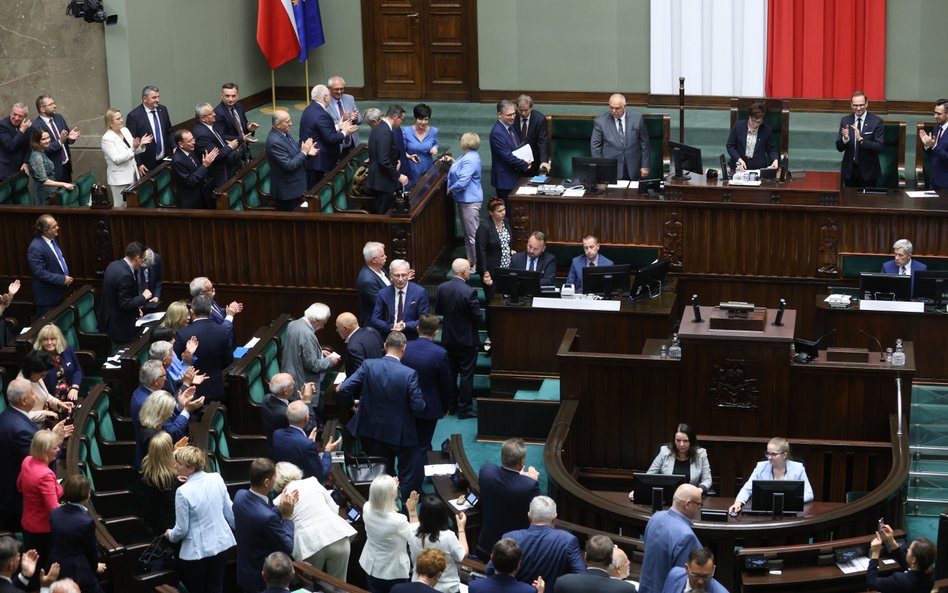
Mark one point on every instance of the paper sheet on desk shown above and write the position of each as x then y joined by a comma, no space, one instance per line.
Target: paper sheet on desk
574,193
251,343
527,190
440,469
622,184
525,153
855,565
922,194
149,318
459,507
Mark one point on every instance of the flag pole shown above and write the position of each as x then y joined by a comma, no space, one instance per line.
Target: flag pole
306,102
273,96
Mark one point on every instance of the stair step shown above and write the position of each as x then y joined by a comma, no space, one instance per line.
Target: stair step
482,366
526,395
925,507
924,394
549,390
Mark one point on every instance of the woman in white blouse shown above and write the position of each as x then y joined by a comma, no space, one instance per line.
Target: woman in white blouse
433,530
385,555
120,149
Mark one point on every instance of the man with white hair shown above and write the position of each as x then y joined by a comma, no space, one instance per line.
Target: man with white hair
902,262
342,106
296,445
223,316
303,358
400,304
65,586
317,123
458,304
282,392
208,135
371,279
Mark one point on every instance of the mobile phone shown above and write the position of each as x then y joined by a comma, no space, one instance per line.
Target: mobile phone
353,515
881,524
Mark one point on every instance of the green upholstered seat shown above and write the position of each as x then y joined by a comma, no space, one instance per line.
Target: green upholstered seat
234,197
854,264
20,189
569,137
146,194
164,195
80,194
777,119
923,161
892,157
250,183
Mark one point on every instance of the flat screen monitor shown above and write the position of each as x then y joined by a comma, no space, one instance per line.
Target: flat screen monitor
649,279
685,158
885,287
931,286
592,172
516,284
642,485
606,280
762,494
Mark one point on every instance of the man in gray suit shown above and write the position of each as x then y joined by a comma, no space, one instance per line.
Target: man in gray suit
342,106
621,135
303,358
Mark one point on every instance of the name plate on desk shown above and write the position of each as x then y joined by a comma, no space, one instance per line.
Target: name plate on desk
575,304
895,306
752,321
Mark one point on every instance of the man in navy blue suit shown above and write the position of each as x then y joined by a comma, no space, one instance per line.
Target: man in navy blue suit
902,262
371,280
389,399
589,259
697,574
505,557
121,300
286,156
400,304
234,125
536,259
60,137
208,136
861,138
362,343
223,316
14,140
384,155
261,528
282,392
506,493
317,123
458,304
295,445
48,268
190,172
598,557
151,117
506,169
277,572
936,145
548,553
431,363
214,351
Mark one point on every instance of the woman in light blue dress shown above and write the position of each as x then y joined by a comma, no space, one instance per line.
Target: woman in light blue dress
421,145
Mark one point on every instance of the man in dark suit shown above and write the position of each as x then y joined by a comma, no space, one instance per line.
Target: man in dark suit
14,140
298,446
536,258
506,493
620,134
60,137
548,553
278,572
261,528
151,117
222,316
48,268
506,169
505,557
861,138
207,137
282,393
150,276
400,304
371,280
458,304
532,127
287,176
17,569
362,343
902,262
121,301
430,361
384,155
189,172
598,557
589,259
235,126
317,123
342,106
214,352
696,576
936,145
389,399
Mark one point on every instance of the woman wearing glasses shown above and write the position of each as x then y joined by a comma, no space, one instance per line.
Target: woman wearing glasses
750,144
778,466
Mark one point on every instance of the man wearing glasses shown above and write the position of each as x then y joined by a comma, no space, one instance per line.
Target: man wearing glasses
669,538
861,138
342,107
936,145
121,301
699,572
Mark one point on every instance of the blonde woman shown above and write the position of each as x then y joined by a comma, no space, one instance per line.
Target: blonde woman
41,491
119,149
385,555
159,482
65,378
160,412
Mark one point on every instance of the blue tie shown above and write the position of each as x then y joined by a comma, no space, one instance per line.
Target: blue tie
159,148
59,256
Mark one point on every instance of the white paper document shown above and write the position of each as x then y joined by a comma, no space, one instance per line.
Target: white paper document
527,190
524,153
251,343
855,565
922,194
440,469
574,193
149,318
620,184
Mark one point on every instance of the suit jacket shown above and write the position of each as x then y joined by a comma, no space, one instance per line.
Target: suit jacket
14,148
383,159
461,312
506,169
119,303
594,579
318,124
430,361
369,284
699,470
938,171
63,171
151,278
575,276
487,245
631,156
287,176
348,105
120,163
273,414
499,583
547,552
192,181
536,138
873,141
678,578
48,279
204,517
505,501
302,355
908,581
228,128
765,153
41,493
259,530
546,265
668,541
74,546
389,398
213,355
205,141
138,123
16,435
890,267
362,345
415,305
290,444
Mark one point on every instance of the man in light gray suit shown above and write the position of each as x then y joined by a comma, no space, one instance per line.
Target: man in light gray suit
303,358
621,135
343,106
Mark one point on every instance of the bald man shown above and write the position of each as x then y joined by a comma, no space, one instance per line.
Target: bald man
458,304
286,158
669,538
620,134
362,343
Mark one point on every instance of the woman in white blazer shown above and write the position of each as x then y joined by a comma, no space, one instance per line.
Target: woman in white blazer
120,149
684,452
385,555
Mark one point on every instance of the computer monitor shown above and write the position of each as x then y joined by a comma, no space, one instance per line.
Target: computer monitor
885,287
606,280
685,158
516,284
931,286
649,279
762,494
643,485
592,171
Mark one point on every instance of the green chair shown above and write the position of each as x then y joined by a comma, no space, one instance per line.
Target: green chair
777,119
80,194
271,356
15,190
250,183
851,265
659,133
256,384
892,157
235,196
923,160
146,194
569,136
163,192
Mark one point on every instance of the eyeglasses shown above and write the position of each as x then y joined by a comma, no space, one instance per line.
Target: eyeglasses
697,503
772,454
700,576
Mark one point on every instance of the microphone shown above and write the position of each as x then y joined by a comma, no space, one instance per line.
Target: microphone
778,322
820,339
878,343
696,309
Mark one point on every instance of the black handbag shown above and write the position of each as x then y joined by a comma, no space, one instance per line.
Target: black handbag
158,556
362,469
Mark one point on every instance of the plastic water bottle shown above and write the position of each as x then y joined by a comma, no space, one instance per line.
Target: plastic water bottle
898,358
675,350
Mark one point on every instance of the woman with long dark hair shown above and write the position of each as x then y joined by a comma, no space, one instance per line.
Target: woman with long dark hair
433,530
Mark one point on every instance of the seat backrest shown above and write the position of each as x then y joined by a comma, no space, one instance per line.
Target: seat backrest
218,434
255,382
146,194
66,322
84,190
263,171
251,191
235,197
271,358
923,160
20,184
658,126
85,309
164,195
892,156
569,136
104,427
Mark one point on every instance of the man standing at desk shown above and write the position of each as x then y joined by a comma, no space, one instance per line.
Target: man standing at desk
532,127
621,135
589,259
902,263
506,169
861,138
669,538
536,259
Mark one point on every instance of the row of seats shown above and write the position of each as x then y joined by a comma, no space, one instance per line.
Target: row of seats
15,191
